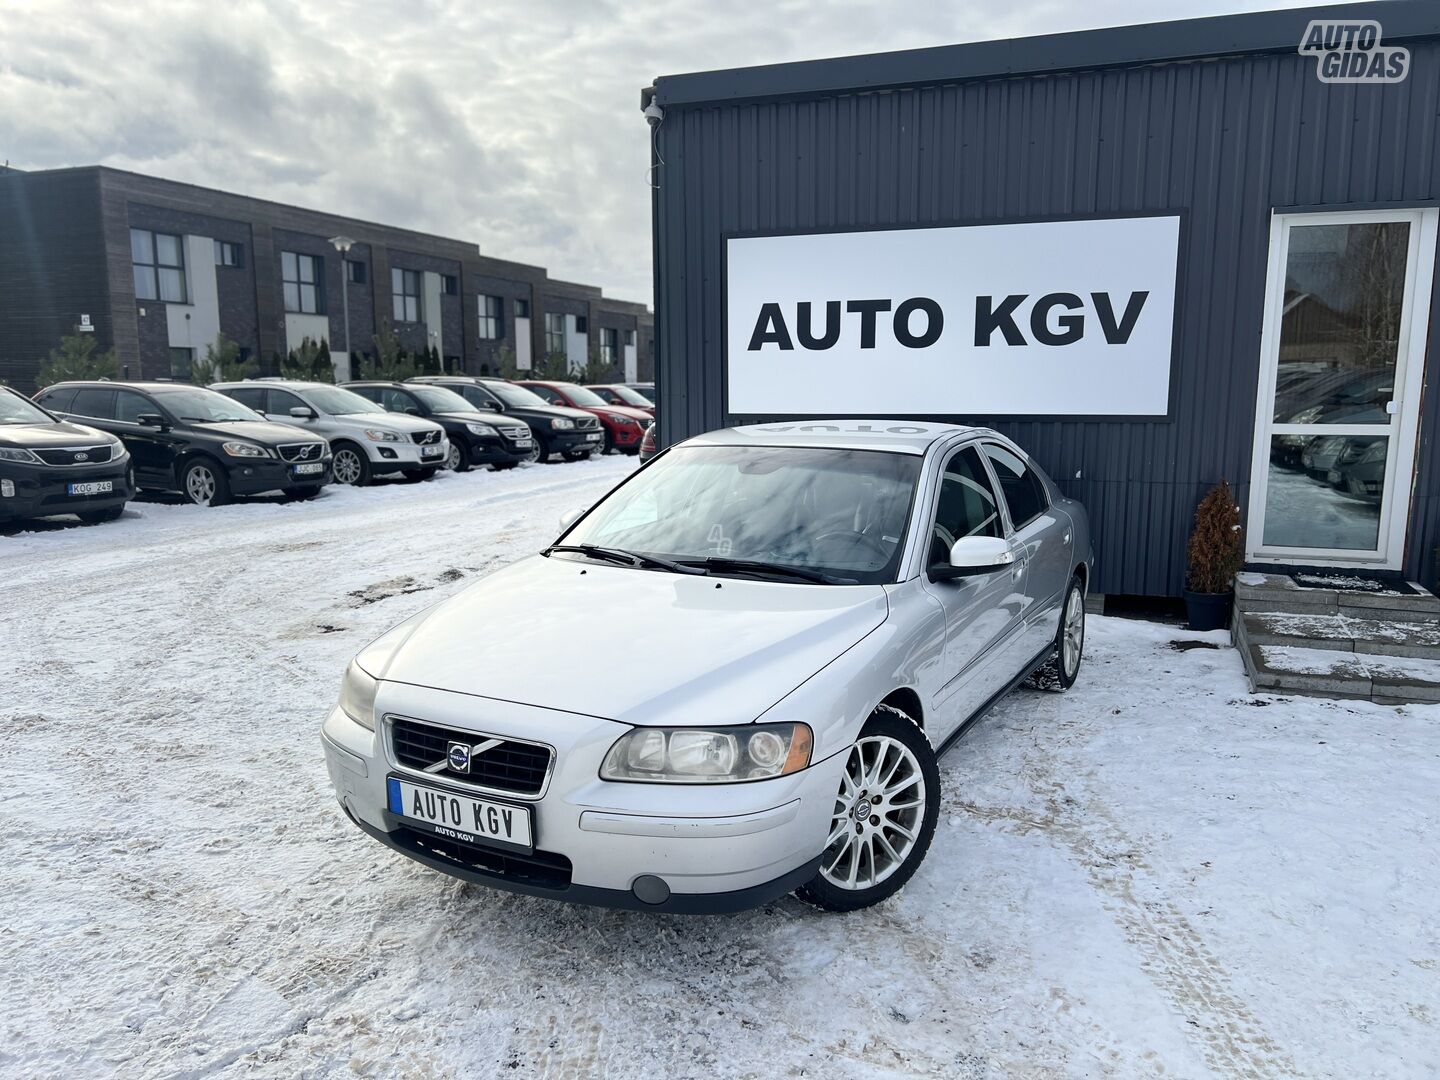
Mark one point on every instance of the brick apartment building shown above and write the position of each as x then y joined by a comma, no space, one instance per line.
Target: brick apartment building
158,269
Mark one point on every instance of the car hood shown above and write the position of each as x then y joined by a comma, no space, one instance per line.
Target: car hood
547,411
623,410
265,432
637,646
59,434
399,423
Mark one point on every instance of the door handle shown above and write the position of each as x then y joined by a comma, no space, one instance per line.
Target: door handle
1017,570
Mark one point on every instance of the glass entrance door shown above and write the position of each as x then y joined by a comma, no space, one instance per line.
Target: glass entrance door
1342,352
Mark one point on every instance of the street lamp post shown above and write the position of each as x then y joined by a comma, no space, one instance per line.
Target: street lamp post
343,244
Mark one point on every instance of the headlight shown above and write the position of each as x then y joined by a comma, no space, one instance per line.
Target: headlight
480,429
19,454
560,423
357,696
117,451
244,449
616,418
382,436
699,756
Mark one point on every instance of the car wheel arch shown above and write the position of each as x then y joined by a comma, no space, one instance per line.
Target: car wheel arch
907,701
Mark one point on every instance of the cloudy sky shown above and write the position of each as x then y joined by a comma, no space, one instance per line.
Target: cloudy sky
515,125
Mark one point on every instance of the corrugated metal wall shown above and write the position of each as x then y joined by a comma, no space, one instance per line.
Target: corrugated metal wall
1227,140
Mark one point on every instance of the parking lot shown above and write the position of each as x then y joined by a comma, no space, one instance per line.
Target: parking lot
1155,874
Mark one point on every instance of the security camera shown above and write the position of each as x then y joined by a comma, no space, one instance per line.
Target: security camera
653,113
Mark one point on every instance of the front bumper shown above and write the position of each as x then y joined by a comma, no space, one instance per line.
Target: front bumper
251,476
496,450
407,455
43,490
655,847
562,442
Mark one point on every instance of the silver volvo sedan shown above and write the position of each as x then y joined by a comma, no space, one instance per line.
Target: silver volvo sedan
728,679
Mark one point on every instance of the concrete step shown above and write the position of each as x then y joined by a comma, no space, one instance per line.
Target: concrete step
1343,633
1387,680
1283,594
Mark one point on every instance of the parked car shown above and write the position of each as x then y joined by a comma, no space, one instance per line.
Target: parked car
366,440
811,618
650,442
190,439
620,394
572,433
1359,471
623,424
475,438
50,466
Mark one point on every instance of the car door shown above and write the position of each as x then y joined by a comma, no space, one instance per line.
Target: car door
984,612
1043,538
151,449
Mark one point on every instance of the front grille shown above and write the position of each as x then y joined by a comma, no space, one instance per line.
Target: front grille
94,455
306,451
517,768
588,423
543,868
426,438
515,434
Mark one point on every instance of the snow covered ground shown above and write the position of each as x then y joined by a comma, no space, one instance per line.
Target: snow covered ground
1155,874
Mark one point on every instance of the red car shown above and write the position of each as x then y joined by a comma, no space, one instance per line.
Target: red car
624,425
620,394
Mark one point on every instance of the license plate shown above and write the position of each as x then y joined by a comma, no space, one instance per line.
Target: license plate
524,444
463,816
94,487
593,437
309,468
429,451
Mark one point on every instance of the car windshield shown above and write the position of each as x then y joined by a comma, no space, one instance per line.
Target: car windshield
516,397
14,409
647,392
438,399
198,405
840,512
585,399
340,402
628,396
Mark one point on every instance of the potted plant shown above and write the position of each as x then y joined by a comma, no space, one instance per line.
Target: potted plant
1217,551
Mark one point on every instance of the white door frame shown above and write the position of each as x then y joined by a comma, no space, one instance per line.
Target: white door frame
1409,372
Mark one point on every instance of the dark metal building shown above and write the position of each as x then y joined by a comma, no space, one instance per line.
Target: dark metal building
157,269
1301,363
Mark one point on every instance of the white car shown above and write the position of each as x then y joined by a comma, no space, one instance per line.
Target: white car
366,440
728,679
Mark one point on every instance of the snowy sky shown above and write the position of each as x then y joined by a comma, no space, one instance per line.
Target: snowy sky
516,125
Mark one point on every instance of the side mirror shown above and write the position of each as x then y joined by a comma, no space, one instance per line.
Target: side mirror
566,520
151,419
301,412
413,411
490,405
971,556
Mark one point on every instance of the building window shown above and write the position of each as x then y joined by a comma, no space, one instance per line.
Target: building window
159,265
522,309
303,283
355,272
582,325
450,284
492,317
180,361
609,345
228,254
554,333
405,289
629,337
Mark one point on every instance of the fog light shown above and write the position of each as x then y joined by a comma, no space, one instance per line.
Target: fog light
7,489
387,453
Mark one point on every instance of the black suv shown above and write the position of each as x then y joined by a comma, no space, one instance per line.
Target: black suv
474,439
196,441
49,466
572,433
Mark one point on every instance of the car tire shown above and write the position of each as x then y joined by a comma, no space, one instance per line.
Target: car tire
539,450
458,459
609,445
351,465
420,474
1060,671
204,483
871,850
98,517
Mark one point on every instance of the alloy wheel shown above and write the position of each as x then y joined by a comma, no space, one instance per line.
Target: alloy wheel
346,467
878,814
452,459
1073,641
200,484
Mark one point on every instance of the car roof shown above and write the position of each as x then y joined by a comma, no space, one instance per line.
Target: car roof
132,384
895,436
283,384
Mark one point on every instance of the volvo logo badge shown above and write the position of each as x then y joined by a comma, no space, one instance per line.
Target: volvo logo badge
457,757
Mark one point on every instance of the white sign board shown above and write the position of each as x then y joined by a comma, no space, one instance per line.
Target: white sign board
1057,318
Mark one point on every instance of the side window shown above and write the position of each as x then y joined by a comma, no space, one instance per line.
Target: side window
967,504
249,396
1022,487
281,402
549,395
369,393
129,406
481,399
395,400
94,401
57,400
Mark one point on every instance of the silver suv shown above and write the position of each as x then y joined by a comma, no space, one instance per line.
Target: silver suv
366,440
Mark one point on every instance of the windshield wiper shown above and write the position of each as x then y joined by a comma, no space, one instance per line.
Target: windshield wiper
629,558
750,566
